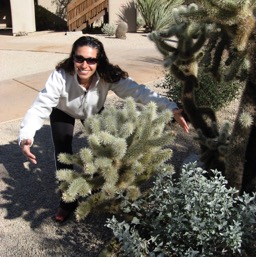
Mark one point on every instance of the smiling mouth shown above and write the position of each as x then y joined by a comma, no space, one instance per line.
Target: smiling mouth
83,71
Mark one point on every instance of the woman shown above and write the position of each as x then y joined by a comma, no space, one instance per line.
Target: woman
77,89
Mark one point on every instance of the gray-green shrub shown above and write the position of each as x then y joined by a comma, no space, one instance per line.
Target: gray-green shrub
190,216
209,92
108,29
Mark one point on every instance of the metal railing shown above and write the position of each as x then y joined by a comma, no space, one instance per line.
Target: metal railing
82,13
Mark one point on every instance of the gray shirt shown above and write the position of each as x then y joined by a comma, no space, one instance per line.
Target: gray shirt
63,91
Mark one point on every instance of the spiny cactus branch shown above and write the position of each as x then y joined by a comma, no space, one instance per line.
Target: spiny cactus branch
115,160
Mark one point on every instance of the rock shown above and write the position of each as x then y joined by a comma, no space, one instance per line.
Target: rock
121,30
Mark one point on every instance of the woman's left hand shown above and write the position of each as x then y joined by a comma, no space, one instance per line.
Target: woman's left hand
180,119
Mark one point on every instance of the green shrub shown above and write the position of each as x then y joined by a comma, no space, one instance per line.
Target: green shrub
209,92
108,29
157,13
190,216
140,21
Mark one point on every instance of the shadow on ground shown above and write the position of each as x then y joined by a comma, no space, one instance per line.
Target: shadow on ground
29,190
29,194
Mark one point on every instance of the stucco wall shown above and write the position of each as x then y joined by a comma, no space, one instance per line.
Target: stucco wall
47,4
120,7
23,16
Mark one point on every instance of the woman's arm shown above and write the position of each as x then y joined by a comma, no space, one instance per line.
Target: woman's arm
39,111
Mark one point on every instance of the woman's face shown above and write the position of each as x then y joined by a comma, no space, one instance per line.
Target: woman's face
85,63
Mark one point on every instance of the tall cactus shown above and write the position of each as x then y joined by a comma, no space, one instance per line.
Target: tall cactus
125,148
240,162
226,25
182,61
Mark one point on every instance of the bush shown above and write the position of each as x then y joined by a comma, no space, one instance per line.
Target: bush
140,22
108,29
209,92
157,13
190,216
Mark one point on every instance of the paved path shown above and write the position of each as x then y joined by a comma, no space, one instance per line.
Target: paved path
26,62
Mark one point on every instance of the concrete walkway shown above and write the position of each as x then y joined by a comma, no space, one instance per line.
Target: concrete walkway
26,62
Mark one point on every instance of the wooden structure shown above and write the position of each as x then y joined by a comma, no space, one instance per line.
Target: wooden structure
20,15
82,13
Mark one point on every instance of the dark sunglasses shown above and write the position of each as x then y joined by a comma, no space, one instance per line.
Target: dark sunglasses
81,59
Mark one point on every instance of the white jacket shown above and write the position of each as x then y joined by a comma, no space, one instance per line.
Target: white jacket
64,92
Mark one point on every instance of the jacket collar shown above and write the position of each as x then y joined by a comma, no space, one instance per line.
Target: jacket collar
94,83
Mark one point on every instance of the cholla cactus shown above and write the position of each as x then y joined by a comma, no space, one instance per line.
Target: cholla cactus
227,28
182,60
234,23
236,16
125,148
240,160
216,147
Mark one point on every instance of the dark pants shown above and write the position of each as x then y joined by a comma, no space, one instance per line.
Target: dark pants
62,126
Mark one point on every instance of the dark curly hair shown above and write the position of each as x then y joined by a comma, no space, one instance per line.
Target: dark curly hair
107,71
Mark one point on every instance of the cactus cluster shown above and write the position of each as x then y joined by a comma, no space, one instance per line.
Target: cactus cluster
215,147
235,16
125,148
183,60
234,23
224,31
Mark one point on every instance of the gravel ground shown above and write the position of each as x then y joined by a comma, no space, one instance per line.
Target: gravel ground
41,51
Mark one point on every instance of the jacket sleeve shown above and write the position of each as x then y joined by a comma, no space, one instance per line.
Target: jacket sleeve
42,106
141,94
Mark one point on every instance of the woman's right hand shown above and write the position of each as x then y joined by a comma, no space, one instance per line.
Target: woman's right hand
25,146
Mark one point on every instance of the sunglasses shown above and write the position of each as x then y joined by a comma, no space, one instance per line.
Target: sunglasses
81,59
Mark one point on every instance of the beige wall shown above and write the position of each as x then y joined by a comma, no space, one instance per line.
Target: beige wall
23,16
47,4
117,7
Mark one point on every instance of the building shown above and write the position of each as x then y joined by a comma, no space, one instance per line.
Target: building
20,15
